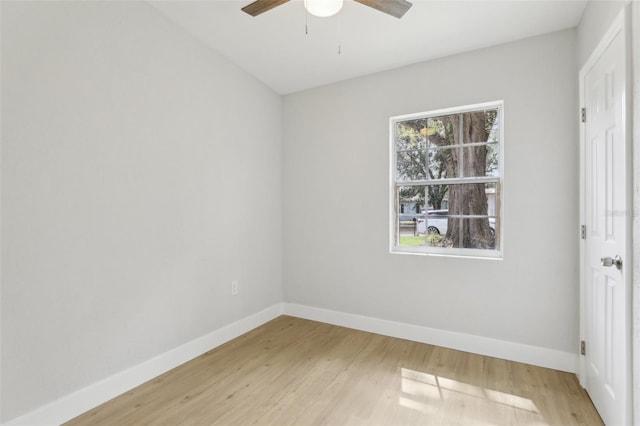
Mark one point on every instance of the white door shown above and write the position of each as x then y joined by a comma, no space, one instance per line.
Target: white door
606,275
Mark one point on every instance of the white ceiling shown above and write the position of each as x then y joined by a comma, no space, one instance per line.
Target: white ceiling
274,47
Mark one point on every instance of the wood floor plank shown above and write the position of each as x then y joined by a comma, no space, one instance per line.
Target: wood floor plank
292,371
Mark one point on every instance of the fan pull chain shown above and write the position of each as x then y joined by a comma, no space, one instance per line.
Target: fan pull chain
340,33
306,21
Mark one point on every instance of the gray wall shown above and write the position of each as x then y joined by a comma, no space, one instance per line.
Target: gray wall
126,148
336,160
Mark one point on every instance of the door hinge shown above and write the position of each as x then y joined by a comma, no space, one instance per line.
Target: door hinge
583,232
584,115
583,348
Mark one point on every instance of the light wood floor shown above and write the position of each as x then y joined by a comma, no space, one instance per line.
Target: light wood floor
297,372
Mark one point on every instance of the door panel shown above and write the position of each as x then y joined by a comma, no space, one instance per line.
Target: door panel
606,303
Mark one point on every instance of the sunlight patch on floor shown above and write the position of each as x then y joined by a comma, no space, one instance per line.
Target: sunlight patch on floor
428,393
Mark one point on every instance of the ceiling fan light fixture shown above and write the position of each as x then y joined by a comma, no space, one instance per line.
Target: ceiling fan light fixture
323,8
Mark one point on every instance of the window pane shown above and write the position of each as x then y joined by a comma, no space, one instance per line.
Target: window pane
409,238
410,224
478,233
471,199
493,168
437,197
411,165
479,126
443,163
480,161
494,133
441,131
411,201
437,222
411,134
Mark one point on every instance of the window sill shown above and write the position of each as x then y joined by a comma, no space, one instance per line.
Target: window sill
453,253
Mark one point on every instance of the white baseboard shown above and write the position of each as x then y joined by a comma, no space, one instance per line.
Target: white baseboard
87,398
534,355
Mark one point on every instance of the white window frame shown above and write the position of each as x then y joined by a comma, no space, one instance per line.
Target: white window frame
393,202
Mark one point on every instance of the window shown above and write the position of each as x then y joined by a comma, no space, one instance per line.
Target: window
447,165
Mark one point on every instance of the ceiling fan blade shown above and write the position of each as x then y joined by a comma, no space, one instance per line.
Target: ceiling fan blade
261,6
395,8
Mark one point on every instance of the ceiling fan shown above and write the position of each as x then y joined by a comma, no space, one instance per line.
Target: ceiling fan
323,8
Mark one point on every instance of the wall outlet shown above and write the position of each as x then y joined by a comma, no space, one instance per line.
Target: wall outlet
234,288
